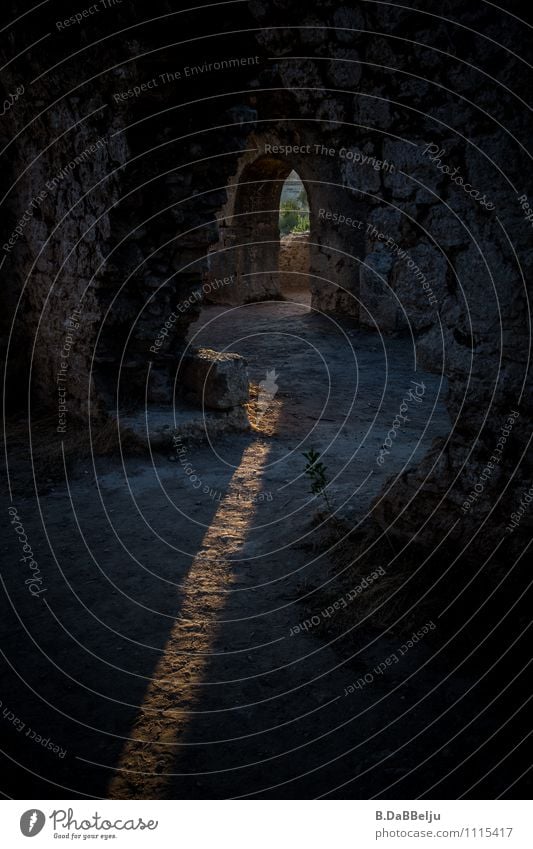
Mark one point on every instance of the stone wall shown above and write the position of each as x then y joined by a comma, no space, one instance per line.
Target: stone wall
117,243
420,103
294,263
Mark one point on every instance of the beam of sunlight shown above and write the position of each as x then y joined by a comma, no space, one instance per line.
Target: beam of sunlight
164,715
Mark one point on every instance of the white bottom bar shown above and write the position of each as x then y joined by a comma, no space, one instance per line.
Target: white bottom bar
267,824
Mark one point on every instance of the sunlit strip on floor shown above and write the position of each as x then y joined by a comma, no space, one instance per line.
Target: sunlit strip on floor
153,748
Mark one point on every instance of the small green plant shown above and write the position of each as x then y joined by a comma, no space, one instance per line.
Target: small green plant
288,216
316,472
302,225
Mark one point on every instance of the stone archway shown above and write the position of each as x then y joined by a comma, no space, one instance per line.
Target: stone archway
244,265
294,226
256,227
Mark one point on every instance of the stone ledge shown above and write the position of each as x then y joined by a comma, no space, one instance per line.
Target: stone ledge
156,427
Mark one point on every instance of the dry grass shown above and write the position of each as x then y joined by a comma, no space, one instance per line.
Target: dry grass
385,603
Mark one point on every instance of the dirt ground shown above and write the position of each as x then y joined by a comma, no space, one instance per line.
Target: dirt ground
164,659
